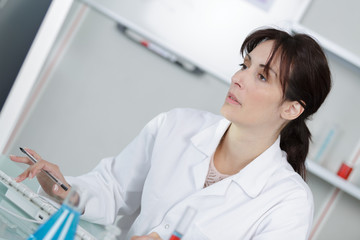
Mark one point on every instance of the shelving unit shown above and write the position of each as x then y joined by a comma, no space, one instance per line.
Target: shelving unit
354,60
333,179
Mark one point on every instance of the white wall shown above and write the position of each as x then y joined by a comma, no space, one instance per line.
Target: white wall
102,91
336,20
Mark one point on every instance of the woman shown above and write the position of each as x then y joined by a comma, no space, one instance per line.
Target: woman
243,171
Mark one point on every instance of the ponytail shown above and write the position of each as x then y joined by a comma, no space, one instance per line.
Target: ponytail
294,140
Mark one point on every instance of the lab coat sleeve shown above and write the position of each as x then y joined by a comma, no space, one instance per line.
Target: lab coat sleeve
115,185
290,219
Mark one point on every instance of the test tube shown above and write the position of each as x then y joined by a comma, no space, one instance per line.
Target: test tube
326,143
183,224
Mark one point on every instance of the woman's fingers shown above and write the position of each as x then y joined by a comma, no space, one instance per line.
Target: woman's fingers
154,235
31,171
59,192
34,154
23,176
141,238
20,159
41,169
151,236
24,159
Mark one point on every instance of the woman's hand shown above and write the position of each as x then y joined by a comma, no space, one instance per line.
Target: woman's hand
151,236
34,169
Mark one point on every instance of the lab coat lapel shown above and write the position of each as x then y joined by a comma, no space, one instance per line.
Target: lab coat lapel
206,142
253,178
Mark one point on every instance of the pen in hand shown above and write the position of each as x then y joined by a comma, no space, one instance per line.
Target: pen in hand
57,181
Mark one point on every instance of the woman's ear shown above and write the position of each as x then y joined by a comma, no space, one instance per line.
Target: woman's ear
291,110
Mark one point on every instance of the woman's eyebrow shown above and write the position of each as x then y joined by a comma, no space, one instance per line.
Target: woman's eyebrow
263,66
248,57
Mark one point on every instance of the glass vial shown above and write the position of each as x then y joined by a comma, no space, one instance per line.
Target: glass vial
183,224
63,223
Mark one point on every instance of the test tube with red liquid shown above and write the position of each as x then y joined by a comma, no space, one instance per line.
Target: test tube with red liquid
183,224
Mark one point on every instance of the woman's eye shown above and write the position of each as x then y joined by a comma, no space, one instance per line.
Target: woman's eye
243,66
262,78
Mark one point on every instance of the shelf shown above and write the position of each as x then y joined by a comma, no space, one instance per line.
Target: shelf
333,179
329,45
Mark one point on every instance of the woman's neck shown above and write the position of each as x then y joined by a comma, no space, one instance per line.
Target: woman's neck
239,147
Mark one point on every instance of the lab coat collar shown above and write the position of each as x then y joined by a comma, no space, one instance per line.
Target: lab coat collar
208,139
255,175
206,142
253,178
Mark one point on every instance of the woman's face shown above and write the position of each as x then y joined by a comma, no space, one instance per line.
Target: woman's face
254,98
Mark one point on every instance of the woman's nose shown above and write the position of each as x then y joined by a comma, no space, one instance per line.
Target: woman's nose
238,80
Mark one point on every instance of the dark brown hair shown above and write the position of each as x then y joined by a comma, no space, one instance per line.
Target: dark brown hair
305,77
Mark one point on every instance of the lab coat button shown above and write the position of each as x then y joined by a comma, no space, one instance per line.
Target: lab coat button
166,226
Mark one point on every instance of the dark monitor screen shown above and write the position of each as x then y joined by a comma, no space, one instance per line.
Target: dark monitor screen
19,22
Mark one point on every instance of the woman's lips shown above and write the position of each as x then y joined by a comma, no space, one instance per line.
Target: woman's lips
232,99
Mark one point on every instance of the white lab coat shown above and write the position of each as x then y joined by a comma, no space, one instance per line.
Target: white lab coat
163,170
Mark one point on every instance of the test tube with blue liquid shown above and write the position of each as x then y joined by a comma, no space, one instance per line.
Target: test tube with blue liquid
183,224
327,142
63,223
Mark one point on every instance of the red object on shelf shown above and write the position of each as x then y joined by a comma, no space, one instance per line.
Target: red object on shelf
344,171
